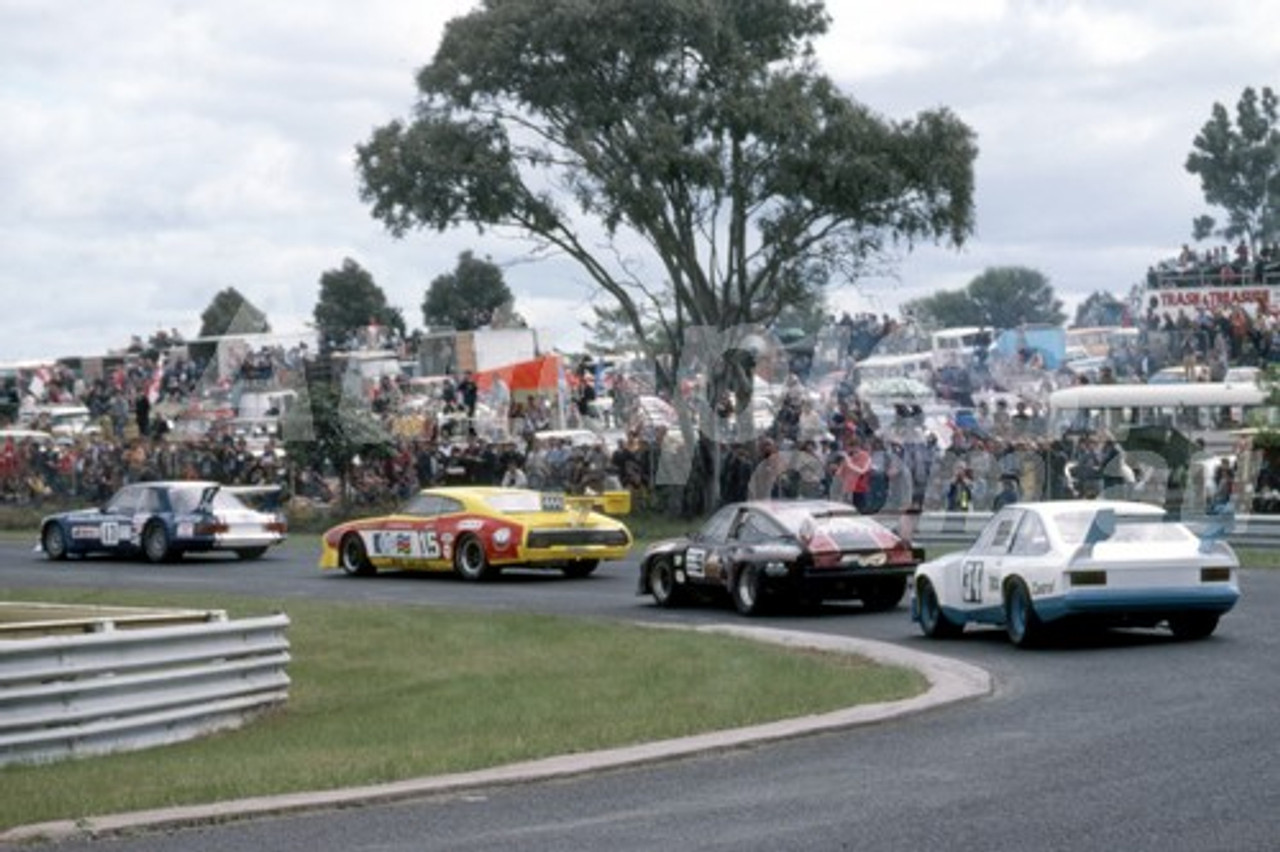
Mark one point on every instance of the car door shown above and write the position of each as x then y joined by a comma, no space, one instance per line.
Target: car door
974,585
704,557
116,530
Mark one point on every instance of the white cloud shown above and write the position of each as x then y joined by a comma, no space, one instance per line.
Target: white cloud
157,152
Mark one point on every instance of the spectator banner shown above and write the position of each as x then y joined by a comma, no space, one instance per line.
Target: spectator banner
1171,301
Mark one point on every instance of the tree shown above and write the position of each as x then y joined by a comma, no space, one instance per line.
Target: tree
326,427
999,298
349,302
232,313
1239,170
1100,309
728,175
467,298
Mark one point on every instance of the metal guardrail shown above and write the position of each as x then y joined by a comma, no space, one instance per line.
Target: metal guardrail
125,687
964,527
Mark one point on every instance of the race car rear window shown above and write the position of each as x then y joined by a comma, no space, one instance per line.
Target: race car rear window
1074,526
516,502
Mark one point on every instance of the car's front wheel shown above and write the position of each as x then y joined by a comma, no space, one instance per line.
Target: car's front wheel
156,545
470,561
662,582
933,621
54,542
1193,625
352,556
883,593
747,590
1020,620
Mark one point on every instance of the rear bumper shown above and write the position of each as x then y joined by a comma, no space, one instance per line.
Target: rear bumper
836,583
1142,604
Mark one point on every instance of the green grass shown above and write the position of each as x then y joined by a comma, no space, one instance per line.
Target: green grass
383,693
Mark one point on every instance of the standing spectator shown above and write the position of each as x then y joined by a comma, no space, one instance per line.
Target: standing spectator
960,493
515,477
142,413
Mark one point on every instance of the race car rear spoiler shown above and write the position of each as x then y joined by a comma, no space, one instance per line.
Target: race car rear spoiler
1215,529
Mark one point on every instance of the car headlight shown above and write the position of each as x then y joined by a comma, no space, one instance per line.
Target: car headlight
502,537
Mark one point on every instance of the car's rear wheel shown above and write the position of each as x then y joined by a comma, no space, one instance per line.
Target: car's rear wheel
470,561
581,568
1193,625
933,621
1020,620
352,556
883,593
250,552
747,590
156,545
663,587
54,542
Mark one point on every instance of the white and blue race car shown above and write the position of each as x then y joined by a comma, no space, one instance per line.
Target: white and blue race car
1105,563
161,521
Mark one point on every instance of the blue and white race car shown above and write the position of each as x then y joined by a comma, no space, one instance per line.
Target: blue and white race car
1106,563
163,520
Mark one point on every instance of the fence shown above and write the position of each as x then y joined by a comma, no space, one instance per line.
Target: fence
129,680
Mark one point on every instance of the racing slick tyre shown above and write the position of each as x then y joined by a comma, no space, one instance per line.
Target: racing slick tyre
156,545
661,575
54,542
1020,620
581,568
470,561
933,621
1193,625
882,594
353,558
747,590
248,553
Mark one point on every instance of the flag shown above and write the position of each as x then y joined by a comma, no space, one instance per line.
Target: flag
156,381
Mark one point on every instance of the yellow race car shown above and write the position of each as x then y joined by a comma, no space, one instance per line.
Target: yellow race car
476,532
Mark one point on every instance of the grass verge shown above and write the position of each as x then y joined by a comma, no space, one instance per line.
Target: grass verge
383,693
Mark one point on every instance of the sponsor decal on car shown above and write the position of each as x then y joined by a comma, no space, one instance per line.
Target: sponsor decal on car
86,532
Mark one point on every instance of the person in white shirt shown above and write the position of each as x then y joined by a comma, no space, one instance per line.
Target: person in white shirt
514,477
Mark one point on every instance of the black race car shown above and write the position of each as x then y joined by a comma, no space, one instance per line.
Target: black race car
806,551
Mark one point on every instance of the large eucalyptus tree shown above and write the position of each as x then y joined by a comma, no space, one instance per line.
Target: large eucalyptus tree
687,154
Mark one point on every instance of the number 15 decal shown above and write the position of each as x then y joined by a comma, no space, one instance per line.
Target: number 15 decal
971,582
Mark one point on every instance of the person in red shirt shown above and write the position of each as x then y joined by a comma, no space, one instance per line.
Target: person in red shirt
854,474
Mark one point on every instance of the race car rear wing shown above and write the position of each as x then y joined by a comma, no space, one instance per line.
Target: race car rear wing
1106,521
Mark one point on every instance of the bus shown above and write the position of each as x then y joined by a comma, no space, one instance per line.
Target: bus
1098,341
957,346
1206,410
879,367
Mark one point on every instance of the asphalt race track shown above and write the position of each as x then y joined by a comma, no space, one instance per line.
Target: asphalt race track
1129,741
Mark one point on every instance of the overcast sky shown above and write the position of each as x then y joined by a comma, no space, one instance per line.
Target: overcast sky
156,152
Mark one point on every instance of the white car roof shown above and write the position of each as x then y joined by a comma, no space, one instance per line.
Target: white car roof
1053,509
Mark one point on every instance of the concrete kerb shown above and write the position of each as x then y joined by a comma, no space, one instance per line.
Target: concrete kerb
950,681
